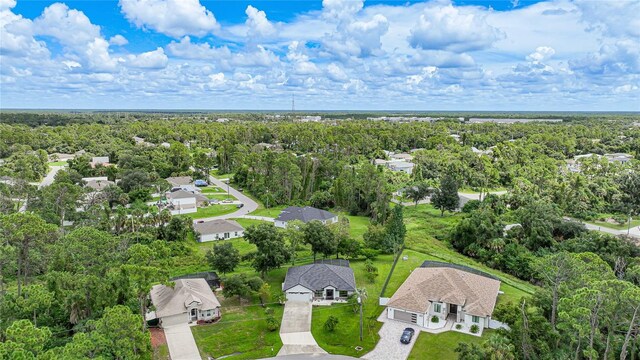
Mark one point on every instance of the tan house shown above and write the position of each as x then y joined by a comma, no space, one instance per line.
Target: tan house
188,301
442,296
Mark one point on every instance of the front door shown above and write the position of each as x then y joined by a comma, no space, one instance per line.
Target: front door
194,314
329,293
453,308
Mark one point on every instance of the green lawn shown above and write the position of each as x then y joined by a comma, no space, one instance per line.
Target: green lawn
161,352
241,333
211,189
270,212
218,175
57,163
442,346
625,226
220,196
345,337
212,210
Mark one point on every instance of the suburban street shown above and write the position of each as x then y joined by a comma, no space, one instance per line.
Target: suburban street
634,232
51,175
249,205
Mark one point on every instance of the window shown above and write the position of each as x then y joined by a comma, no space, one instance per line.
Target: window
437,308
475,319
319,293
343,293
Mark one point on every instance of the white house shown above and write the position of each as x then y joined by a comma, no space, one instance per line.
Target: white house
218,230
99,160
441,295
182,202
403,166
188,301
305,214
326,280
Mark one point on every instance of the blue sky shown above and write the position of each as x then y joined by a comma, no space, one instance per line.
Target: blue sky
332,54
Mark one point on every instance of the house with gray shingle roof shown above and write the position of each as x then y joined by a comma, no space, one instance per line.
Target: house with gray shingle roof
323,280
305,214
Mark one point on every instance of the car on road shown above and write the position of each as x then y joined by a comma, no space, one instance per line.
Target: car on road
407,334
201,182
240,205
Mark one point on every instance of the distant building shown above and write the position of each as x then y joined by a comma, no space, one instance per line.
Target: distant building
179,180
100,160
403,166
510,121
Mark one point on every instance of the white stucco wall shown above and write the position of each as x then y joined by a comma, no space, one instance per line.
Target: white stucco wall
220,236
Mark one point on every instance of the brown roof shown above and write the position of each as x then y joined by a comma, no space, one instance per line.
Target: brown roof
477,294
171,301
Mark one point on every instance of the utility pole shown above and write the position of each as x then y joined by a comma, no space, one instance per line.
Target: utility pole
629,227
293,102
360,303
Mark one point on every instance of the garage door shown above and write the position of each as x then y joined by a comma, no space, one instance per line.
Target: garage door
299,296
405,316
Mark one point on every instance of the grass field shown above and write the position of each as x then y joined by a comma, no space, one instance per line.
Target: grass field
634,223
212,210
57,163
242,332
161,352
442,346
270,212
220,196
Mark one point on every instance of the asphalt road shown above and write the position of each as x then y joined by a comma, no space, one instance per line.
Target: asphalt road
249,205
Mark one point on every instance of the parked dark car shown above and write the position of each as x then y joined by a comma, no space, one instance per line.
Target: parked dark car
200,182
240,205
407,334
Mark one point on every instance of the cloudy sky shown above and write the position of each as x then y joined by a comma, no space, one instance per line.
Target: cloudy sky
330,54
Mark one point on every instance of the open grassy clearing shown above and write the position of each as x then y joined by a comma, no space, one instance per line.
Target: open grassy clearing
57,163
212,210
220,197
270,212
442,346
242,332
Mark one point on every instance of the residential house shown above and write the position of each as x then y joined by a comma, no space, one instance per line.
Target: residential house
305,214
325,280
182,202
218,230
447,293
210,277
100,160
188,301
403,166
97,184
176,181
619,157
402,157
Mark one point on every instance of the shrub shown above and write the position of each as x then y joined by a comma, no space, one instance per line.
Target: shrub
435,319
458,326
272,323
474,329
330,324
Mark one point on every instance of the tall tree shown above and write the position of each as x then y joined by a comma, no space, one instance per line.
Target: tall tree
321,239
29,235
272,251
223,257
446,196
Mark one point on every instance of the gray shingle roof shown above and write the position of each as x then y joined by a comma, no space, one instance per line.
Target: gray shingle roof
217,226
319,276
304,214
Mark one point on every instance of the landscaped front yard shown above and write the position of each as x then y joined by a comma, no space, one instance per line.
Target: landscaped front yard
442,346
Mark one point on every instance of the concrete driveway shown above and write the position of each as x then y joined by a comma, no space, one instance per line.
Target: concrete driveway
389,346
182,345
295,330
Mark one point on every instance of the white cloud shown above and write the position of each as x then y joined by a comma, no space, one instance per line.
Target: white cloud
16,35
155,59
454,29
7,4
69,26
175,18
189,50
541,53
625,88
118,40
336,73
257,23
